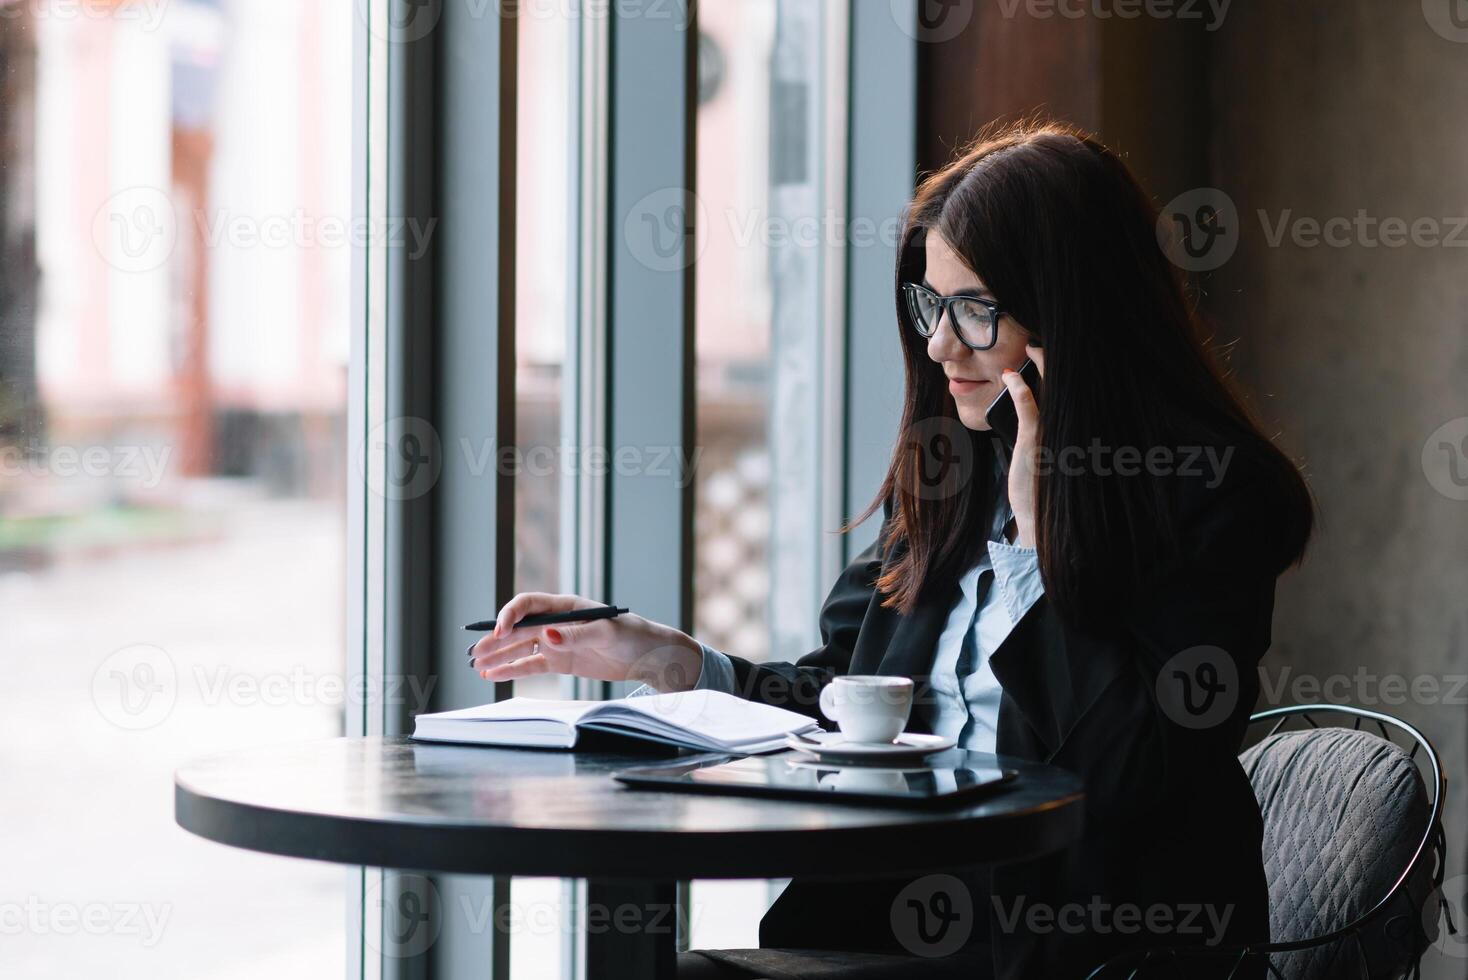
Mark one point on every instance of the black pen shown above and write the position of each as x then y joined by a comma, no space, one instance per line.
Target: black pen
551,619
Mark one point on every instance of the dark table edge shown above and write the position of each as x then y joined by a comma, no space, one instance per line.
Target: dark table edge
628,854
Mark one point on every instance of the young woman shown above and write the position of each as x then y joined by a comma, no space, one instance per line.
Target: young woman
1098,600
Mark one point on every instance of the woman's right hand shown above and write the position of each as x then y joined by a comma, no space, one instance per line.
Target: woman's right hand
623,648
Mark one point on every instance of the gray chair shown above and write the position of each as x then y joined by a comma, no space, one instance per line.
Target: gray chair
1353,849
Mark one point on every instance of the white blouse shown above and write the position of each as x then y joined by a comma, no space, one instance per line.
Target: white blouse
964,686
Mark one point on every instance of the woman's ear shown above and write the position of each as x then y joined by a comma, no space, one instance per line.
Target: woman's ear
1036,354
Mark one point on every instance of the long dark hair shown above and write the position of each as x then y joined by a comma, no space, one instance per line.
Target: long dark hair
1065,238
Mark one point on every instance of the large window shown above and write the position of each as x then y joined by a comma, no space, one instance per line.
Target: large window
176,233
255,262
769,124
546,467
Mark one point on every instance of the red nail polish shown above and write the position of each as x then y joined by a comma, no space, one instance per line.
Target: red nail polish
553,636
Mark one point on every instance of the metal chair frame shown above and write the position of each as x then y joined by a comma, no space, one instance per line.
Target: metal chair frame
1433,846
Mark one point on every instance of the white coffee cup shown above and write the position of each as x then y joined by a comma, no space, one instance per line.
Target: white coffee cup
869,708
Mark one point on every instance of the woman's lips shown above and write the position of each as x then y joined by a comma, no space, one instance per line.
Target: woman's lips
963,387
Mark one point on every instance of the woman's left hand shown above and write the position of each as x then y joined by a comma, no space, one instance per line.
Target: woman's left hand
1023,464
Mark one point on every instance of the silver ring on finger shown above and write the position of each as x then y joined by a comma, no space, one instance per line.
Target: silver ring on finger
535,648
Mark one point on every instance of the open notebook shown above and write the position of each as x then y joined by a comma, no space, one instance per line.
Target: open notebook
710,721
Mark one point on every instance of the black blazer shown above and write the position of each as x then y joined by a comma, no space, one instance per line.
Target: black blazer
1171,819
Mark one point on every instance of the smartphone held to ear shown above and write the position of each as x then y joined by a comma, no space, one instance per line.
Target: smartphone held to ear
1001,415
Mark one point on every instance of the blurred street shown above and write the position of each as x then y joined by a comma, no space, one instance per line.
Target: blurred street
261,600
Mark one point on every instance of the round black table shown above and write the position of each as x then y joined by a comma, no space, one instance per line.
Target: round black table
395,803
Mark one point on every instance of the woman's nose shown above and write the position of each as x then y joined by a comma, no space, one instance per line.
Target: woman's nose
944,344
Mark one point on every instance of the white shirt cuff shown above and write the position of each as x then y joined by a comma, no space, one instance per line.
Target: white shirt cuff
1017,573
716,674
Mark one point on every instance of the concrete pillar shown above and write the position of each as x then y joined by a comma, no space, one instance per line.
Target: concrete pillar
1358,351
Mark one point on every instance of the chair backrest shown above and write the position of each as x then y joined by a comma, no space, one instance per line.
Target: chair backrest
1344,812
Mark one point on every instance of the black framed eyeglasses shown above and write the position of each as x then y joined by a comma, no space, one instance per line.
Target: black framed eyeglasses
975,320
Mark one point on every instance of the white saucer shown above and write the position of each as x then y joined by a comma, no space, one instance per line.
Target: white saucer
836,747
